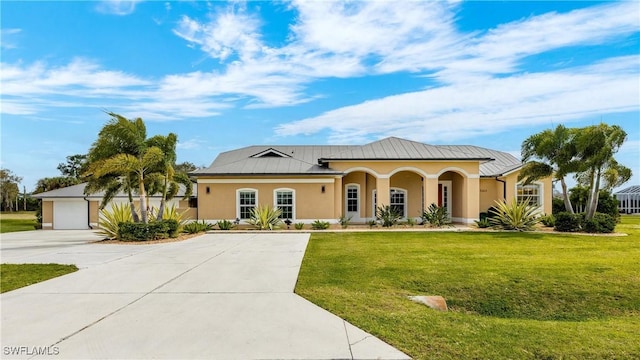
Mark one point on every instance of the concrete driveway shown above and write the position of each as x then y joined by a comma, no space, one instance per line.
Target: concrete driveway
217,296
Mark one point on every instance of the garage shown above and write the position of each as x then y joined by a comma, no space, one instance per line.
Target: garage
70,215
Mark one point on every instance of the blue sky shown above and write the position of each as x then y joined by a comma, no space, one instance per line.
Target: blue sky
223,75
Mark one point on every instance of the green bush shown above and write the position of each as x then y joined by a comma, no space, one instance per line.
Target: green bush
483,223
557,206
518,215
372,223
225,225
388,216
172,213
320,225
109,221
172,227
411,222
299,226
344,221
196,227
129,231
600,223
435,216
266,217
548,220
568,222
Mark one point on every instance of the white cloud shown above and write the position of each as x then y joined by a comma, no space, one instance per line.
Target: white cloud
190,144
117,7
5,36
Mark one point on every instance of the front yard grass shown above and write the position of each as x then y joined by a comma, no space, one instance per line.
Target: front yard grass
510,295
17,221
15,276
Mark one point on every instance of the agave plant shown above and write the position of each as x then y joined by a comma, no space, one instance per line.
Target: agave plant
518,215
436,216
110,220
388,216
265,217
172,213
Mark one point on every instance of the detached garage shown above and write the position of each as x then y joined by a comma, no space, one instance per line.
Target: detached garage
70,209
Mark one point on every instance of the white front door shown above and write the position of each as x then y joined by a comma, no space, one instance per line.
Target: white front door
352,201
444,195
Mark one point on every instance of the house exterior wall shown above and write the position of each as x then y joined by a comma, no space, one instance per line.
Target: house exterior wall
490,190
94,213
47,215
310,202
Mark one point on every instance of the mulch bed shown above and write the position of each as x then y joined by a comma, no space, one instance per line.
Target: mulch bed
182,237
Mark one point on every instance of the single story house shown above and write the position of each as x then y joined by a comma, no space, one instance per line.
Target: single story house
326,182
70,209
629,200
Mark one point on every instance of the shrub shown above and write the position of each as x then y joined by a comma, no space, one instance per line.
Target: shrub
557,206
548,220
129,231
265,217
387,215
372,223
600,223
109,221
225,225
196,227
172,227
299,226
568,222
172,213
518,215
483,223
320,225
492,212
436,216
411,222
344,221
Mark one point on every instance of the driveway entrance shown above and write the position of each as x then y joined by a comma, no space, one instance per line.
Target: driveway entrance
217,296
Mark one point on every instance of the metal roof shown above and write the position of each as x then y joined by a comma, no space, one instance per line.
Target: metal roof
630,190
310,159
77,191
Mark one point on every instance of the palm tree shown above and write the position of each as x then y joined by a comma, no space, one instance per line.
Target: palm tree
167,180
556,156
118,136
596,146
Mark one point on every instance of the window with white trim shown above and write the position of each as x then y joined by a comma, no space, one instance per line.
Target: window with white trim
532,192
247,200
352,198
398,201
284,199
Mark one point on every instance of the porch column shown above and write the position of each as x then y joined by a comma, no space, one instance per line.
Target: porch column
430,191
338,207
382,191
471,200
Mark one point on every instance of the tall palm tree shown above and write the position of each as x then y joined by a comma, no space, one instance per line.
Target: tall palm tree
550,153
118,136
167,179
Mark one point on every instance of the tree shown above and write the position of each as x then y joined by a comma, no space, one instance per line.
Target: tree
596,146
167,179
185,167
74,167
9,189
550,153
53,183
119,136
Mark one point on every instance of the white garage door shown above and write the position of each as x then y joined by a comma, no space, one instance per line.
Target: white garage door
70,215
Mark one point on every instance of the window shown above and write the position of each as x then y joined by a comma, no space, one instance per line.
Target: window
247,199
284,200
397,199
531,192
193,202
352,198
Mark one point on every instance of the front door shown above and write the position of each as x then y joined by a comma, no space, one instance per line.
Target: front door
352,201
444,195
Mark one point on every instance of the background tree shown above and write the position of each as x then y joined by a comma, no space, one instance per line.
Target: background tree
597,146
185,167
9,189
74,167
53,183
550,153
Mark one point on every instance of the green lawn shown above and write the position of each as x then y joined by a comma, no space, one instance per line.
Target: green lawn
14,276
511,295
17,221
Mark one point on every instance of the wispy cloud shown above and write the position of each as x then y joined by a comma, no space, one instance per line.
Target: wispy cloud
6,36
117,7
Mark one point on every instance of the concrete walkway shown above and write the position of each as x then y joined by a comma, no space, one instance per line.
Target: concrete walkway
217,296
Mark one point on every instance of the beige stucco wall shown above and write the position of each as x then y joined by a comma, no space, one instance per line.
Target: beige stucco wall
47,215
94,213
309,200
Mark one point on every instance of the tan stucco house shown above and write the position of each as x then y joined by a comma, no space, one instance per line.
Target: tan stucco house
326,182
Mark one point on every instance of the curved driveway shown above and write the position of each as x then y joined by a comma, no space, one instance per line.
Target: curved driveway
216,296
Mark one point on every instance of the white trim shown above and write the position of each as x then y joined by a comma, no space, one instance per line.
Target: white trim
459,170
355,216
511,171
293,200
238,191
266,181
449,185
406,199
540,185
47,224
93,224
463,220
